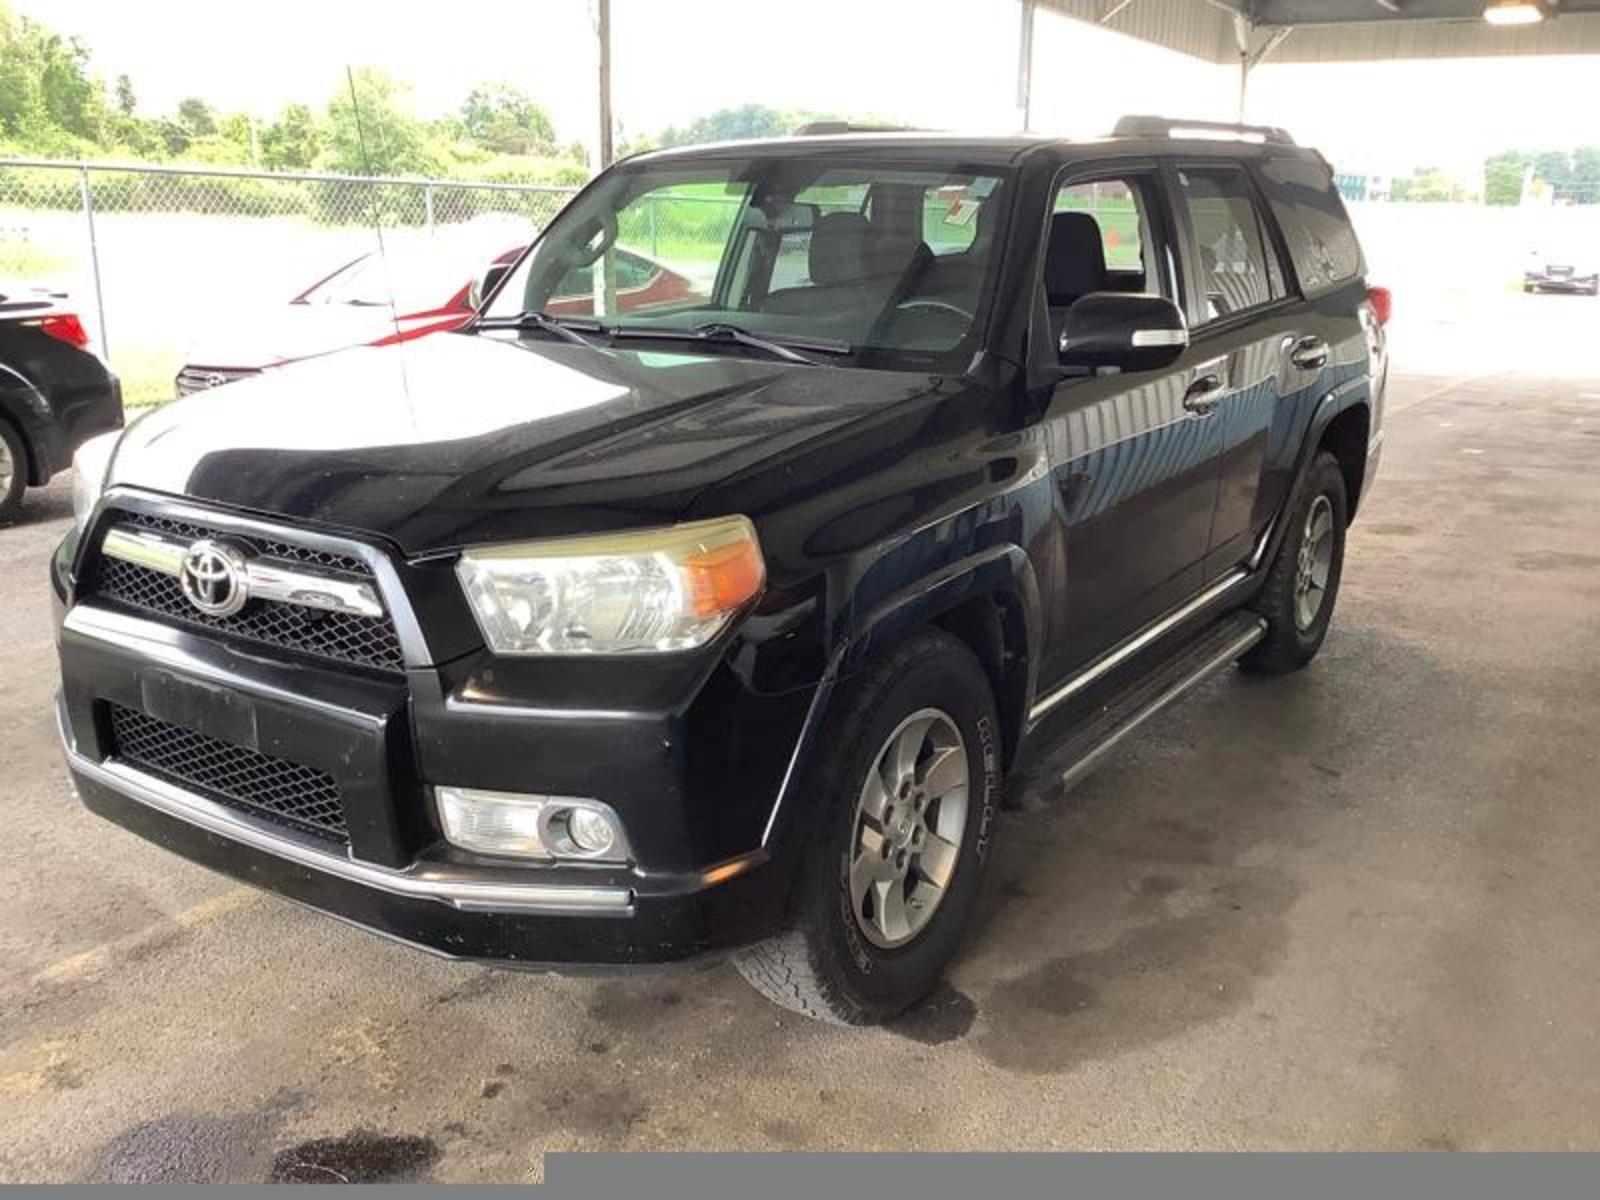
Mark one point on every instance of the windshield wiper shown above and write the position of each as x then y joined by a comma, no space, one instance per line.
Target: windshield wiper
722,331
547,324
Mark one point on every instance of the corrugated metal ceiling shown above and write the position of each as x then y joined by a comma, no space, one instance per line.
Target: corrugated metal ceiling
1343,30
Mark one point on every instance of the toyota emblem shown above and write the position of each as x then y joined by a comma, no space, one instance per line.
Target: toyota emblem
215,578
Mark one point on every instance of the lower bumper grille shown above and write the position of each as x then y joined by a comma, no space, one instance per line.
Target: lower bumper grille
288,793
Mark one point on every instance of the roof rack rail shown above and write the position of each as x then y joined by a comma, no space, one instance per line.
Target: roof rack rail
823,128
1178,126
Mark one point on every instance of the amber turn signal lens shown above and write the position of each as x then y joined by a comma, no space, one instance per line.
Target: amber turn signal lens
724,577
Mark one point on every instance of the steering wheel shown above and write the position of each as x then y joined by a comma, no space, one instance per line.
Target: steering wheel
939,306
928,322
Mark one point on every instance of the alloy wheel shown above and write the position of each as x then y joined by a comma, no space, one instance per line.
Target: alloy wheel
1313,563
910,822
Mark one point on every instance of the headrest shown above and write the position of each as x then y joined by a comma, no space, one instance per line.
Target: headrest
839,248
1075,260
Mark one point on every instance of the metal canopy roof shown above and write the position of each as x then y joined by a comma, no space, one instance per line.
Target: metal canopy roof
1341,30
1345,12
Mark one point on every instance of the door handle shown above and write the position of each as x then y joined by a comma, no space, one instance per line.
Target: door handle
1205,392
1309,353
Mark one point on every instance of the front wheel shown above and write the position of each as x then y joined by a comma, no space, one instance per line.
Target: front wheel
1303,580
907,780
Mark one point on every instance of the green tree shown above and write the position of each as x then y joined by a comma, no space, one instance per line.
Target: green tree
293,141
729,125
173,136
197,117
46,91
370,130
126,101
501,118
1586,175
1502,178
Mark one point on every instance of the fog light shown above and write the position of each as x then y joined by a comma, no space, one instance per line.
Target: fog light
520,825
589,830
492,822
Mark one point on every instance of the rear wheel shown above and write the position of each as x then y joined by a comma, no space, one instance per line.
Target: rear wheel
1303,581
13,471
891,875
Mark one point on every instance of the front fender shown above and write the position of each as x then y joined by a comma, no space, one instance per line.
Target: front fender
1002,571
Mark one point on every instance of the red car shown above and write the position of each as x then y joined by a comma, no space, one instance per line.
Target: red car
642,282
375,300
372,300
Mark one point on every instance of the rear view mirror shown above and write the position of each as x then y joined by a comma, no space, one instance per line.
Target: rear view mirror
1125,331
485,284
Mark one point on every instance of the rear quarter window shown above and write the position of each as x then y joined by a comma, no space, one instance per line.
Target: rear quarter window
1322,244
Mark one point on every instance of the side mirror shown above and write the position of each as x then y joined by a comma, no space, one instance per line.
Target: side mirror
1122,330
485,284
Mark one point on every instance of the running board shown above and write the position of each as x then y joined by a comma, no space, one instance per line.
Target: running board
1210,653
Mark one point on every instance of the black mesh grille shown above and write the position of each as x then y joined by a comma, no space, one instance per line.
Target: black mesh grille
272,548
275,788
344,637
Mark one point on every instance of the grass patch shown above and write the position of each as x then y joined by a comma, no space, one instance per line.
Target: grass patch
146,374
23,260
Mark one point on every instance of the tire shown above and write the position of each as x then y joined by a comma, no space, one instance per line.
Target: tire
13,471
831,964
1292,640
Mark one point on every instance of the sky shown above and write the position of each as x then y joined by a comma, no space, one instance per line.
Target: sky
674,60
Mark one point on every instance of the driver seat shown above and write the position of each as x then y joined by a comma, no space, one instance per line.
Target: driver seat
1074,264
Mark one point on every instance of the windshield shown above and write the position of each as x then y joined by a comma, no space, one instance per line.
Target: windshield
891,264
414,280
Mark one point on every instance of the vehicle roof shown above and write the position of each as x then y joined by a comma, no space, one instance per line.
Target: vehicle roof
23,301
997,150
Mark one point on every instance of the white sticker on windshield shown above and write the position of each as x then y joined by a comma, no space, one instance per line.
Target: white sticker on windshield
962,212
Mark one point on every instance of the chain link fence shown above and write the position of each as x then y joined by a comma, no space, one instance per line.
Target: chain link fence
160,257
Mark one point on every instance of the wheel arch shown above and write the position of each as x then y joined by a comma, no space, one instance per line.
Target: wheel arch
22,407
1345,435
989,602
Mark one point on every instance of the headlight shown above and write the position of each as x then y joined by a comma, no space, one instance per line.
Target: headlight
649,592
89,467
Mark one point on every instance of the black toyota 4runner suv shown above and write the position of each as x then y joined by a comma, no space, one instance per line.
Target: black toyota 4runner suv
634,623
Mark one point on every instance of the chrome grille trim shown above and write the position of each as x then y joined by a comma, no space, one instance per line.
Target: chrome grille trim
265,578
199,379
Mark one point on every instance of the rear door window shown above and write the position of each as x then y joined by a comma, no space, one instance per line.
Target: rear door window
1316,227
1238,267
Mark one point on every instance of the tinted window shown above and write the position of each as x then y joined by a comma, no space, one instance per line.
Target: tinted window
1238,267
1119,211
1315,225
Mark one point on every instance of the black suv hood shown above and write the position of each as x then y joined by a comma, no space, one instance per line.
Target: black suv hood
461,439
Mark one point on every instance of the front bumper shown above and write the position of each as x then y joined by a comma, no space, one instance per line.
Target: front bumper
1561,283
396,876
520,916
456,914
